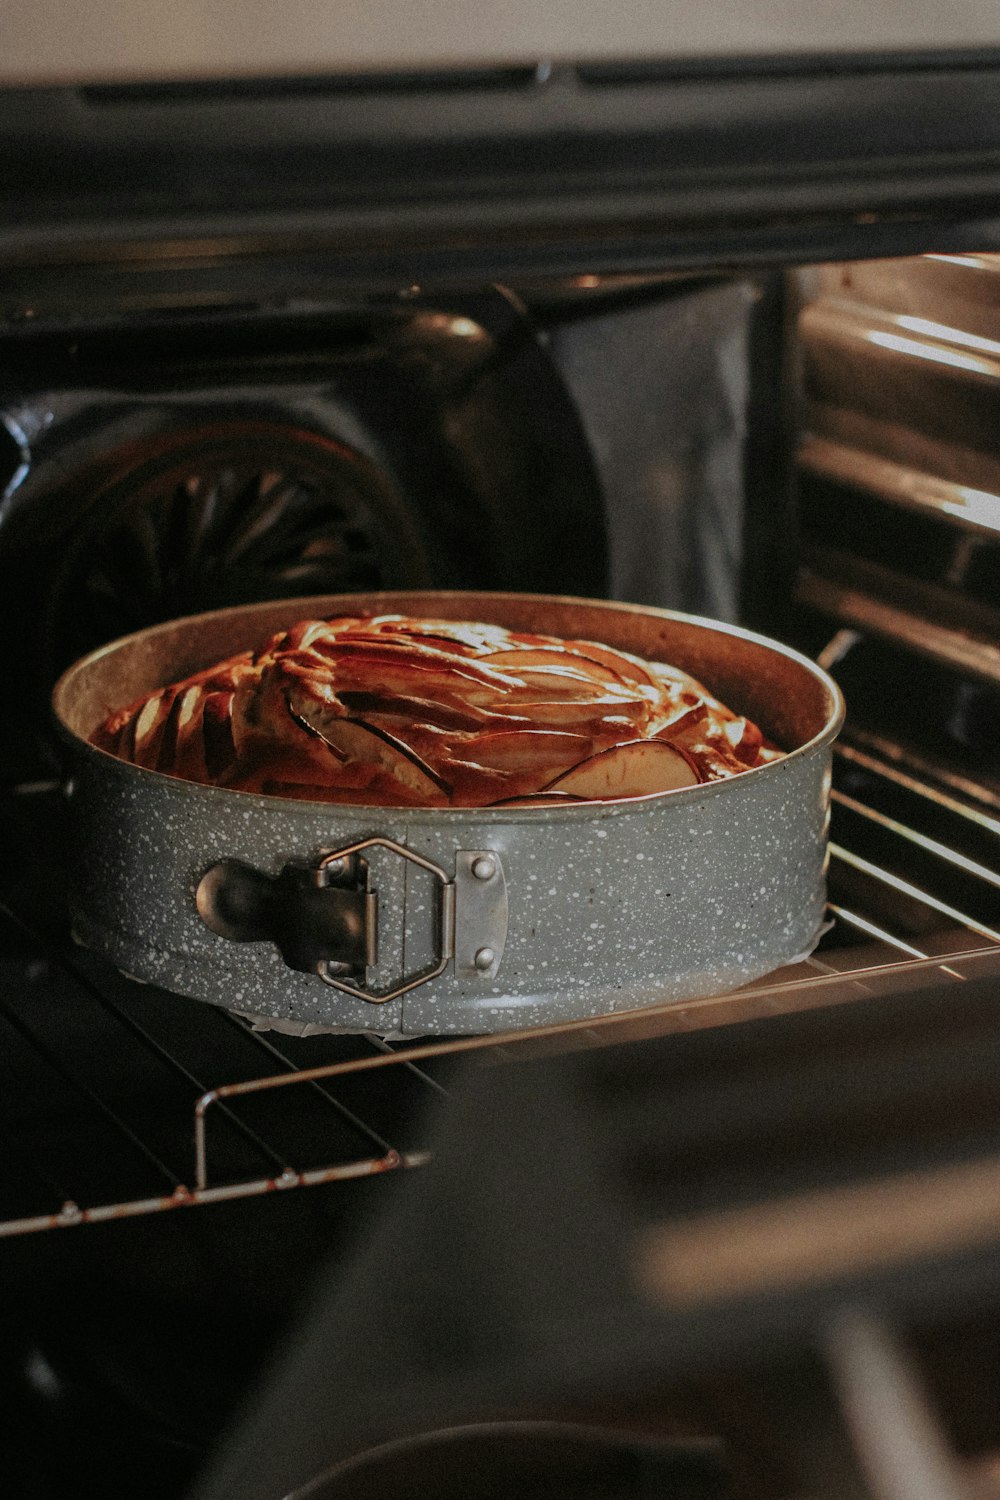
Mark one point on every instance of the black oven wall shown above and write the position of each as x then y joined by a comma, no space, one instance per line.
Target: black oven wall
160,466
589,436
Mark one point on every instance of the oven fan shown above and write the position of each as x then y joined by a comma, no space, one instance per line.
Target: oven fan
229,516
208,464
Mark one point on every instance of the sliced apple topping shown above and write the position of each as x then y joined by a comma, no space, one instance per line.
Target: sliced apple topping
539,799
635,769
391,711
150,723
355,740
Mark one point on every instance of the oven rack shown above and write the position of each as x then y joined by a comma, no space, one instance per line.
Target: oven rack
118,1100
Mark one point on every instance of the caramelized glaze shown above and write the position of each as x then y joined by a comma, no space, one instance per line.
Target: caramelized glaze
394,711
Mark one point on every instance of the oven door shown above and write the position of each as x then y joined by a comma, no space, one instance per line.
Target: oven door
223,39
396,159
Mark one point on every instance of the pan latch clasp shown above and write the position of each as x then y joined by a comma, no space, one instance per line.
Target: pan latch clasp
323,917
338,862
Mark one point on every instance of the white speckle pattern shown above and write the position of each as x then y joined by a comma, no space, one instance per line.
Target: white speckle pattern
727,886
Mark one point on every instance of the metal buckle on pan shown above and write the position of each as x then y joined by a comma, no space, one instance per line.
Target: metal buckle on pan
445,922
323,917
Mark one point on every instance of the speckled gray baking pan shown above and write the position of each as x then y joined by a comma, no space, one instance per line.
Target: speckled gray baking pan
609,906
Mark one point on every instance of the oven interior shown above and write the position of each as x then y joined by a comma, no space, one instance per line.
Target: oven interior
808,451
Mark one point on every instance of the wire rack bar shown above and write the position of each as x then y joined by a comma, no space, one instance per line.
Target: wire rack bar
381,1045
914,893
888,771
892,754
112,1116
823,983
919,840
71,1214
65,963
873,930
600,1031
320,1092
